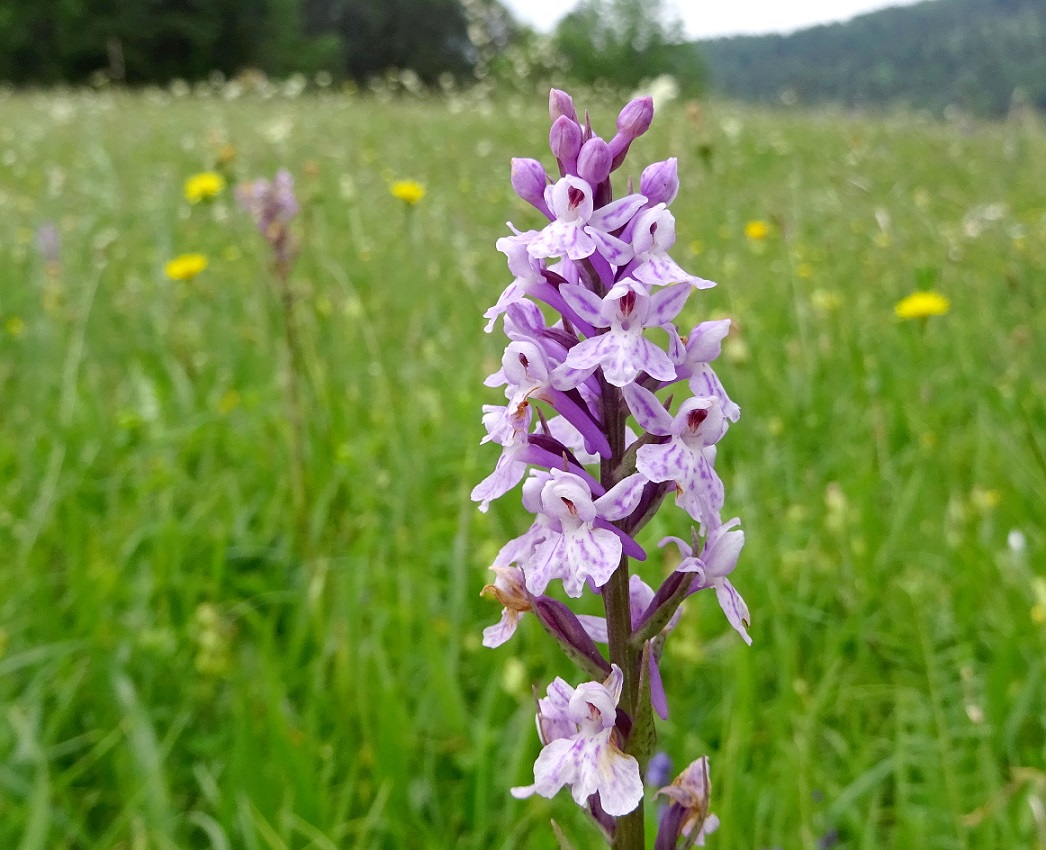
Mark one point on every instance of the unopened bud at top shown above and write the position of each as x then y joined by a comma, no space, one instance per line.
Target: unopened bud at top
565,141
529,181
561,105
593,163
634,120
660,181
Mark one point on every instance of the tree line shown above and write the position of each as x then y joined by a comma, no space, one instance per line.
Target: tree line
45,42
981,55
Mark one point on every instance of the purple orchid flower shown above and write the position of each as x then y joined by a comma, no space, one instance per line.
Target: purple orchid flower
687,458
587,546
580,749
653,233
693,360
586,288
623,352
273,205
718,559
579,229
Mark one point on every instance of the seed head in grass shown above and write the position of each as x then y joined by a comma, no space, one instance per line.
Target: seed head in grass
185,266
205,186
590,316
921,305
409,191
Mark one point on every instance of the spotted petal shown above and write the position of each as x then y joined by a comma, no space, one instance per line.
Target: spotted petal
590,553
734,607
621,499
494,636
649,412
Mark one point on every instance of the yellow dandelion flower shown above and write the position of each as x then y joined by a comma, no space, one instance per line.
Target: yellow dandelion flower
185,266
409,191
920,305
757,230
203,186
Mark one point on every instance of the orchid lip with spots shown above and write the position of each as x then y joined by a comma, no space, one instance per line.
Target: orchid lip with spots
597,426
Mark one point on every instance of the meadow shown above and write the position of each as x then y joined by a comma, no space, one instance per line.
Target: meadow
188,659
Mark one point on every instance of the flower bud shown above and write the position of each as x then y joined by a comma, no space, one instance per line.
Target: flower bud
634,120
529,180
560,622
593,163
565,141
660,182
560,104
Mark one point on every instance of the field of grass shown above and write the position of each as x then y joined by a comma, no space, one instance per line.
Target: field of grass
187,661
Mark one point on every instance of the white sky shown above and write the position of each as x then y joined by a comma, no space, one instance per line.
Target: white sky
712,18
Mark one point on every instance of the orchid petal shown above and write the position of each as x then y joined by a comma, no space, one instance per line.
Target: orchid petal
665,304
665,462
595,627
705,342
591,553
617,213
562,239
649,412
657,690
616,251
585,303
494,636
619,783
621,499
734,607
508,472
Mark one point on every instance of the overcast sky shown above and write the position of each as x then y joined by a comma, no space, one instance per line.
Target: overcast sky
710,18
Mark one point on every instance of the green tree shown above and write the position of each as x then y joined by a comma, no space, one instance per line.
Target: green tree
622,42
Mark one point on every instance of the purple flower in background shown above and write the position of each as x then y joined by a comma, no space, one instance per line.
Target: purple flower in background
49,243
577,729
272,205
659,770
590,318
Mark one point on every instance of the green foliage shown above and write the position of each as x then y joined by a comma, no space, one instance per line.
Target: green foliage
624,42
156,40
178,669
975,54
428,37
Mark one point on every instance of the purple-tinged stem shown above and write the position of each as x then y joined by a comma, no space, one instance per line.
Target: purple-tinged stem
629,832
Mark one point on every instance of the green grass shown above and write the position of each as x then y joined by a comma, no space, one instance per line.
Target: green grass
182,664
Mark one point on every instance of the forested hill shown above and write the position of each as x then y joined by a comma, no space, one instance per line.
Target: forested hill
971,53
